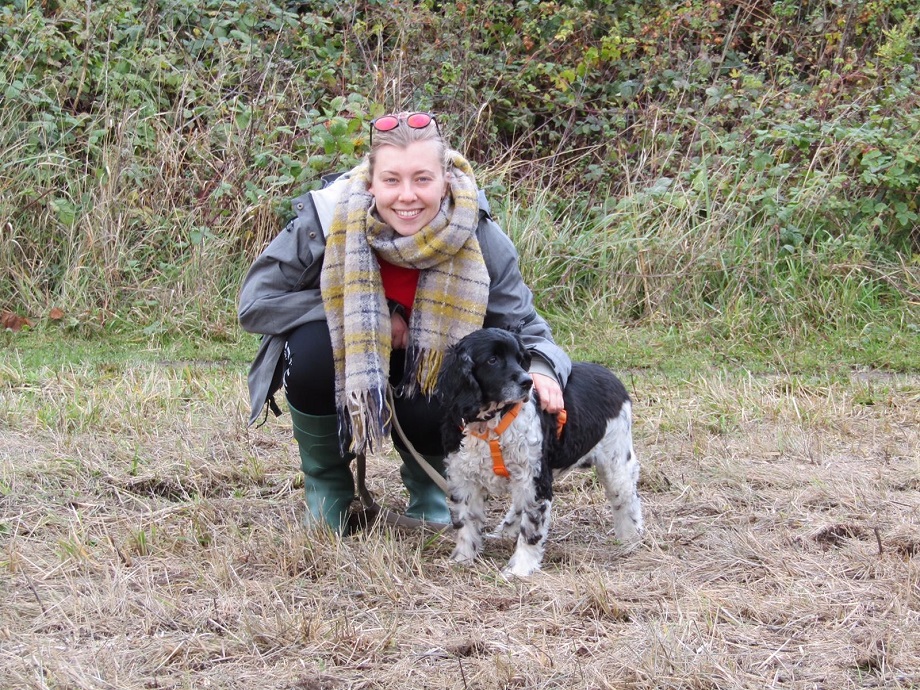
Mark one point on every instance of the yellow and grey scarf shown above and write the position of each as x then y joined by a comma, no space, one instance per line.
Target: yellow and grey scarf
450,301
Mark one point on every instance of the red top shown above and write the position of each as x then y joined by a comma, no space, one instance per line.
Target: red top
399,283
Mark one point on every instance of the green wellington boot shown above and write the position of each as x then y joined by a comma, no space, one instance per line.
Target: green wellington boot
329,484
426,501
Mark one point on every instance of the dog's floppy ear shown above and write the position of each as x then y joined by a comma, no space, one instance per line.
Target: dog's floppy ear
458,390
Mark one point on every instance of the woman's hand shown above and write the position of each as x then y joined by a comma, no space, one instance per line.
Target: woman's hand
550,392
400,331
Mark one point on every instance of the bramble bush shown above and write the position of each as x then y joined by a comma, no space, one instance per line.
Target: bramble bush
666,160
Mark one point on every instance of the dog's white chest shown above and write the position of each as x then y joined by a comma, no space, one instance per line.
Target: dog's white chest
484,454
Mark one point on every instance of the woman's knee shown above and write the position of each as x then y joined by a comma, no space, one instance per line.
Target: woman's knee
309,372
420,419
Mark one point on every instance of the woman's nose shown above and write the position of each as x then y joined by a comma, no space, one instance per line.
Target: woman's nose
406,191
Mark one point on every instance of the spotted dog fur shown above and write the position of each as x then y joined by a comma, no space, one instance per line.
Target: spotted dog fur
483,376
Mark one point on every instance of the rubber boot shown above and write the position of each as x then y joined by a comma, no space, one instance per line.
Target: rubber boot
329,484
426,500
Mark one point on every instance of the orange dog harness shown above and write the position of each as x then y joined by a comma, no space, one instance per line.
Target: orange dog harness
493,436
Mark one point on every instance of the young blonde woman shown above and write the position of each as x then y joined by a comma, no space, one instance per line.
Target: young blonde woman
365,288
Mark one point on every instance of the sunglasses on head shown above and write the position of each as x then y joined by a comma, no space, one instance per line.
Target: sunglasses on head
387,123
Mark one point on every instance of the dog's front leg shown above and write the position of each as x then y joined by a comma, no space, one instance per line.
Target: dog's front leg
469,515
528,554
511,525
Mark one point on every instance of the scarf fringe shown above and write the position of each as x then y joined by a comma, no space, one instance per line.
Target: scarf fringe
365,420
422,367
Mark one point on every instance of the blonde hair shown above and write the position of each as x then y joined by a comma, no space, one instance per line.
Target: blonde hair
403,135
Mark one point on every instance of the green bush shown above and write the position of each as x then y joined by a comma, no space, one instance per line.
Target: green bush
669,160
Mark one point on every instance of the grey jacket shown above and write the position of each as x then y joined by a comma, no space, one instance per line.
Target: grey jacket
281,292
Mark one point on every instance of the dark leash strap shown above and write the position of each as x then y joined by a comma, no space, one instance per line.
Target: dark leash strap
374,510
429,470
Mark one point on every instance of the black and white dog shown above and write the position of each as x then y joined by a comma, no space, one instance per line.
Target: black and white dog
487,434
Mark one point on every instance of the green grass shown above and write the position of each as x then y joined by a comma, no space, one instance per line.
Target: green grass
673,351
141,513
679,350
52,347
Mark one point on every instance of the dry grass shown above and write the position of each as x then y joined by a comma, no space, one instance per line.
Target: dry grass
149,540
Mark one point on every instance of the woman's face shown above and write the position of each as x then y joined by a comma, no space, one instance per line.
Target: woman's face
408,185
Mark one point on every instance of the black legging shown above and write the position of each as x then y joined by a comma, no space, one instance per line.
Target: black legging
309,383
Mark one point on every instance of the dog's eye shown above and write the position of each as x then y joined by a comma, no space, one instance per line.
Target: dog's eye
493,360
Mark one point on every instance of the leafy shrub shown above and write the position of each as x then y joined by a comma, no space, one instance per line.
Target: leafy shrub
147,148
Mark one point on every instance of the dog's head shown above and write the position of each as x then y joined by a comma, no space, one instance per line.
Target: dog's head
484,372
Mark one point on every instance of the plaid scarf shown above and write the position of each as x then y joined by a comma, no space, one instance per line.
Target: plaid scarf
450,302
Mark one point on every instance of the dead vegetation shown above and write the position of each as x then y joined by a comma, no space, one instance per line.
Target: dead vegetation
149,540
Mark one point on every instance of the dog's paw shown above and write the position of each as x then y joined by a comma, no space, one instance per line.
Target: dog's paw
463,556
512,571
629,531
522,565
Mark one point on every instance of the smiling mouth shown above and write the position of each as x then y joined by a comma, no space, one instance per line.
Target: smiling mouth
406,215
